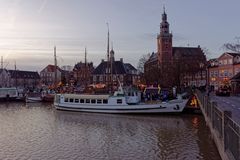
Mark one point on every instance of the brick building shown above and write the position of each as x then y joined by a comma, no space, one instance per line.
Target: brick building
82,73
223,68
174,66
48,75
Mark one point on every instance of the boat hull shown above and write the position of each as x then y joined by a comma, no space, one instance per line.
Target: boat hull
33,99
128,109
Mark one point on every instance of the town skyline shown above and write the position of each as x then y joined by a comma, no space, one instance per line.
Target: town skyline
30,30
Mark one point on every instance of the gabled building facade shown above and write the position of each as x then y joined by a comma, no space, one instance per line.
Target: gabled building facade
223,68
110,72
48,75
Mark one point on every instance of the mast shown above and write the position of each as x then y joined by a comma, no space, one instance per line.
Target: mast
15,67
2,69
108,59
55,65
85,69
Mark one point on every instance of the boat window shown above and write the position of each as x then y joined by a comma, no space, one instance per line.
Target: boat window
87,100
66,100
105,101
93,100
76,100
119,101
99,101
71,100
81,100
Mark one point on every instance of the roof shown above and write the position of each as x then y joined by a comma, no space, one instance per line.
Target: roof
233,54
24,74
153,57
51,68
129,67
187,51
81,65
118,68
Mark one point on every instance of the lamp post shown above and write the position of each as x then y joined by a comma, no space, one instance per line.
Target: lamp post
201,65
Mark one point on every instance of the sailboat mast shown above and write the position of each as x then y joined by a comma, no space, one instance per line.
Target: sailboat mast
108,60
15,67
85,69
2,69
55,65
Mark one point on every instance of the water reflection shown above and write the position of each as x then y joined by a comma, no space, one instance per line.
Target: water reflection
38,131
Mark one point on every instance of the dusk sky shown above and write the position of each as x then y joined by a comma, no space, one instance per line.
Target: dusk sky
29,29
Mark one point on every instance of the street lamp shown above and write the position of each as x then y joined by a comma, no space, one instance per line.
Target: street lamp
201,65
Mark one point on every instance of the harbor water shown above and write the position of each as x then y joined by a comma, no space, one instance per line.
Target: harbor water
38,131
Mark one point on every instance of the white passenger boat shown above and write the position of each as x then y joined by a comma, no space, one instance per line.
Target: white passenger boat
118,103
8,93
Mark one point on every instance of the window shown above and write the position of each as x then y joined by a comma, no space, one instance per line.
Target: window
87,100
211,73
99,101
230,61
119,101
225,61
216,73
81,100
93,100
101,78
76,100
220,62
225,73
66,100
105,101
71,100
94,78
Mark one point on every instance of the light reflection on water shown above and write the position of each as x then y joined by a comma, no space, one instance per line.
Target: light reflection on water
38,131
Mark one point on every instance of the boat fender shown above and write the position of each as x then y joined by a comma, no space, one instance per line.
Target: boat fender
177,107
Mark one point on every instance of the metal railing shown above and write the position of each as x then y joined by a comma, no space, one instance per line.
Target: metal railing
226,129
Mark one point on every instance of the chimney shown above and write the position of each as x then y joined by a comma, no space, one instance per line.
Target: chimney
121,59
102,60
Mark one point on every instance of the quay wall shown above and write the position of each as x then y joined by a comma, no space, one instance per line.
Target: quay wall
224,130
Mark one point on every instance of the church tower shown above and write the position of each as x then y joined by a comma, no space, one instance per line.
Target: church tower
164,41
165,54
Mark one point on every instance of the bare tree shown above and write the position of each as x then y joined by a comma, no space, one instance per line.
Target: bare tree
235,47
142,61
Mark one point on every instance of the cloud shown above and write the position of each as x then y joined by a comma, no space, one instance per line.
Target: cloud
42,6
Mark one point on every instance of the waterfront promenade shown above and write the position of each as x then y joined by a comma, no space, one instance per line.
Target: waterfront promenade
222,116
